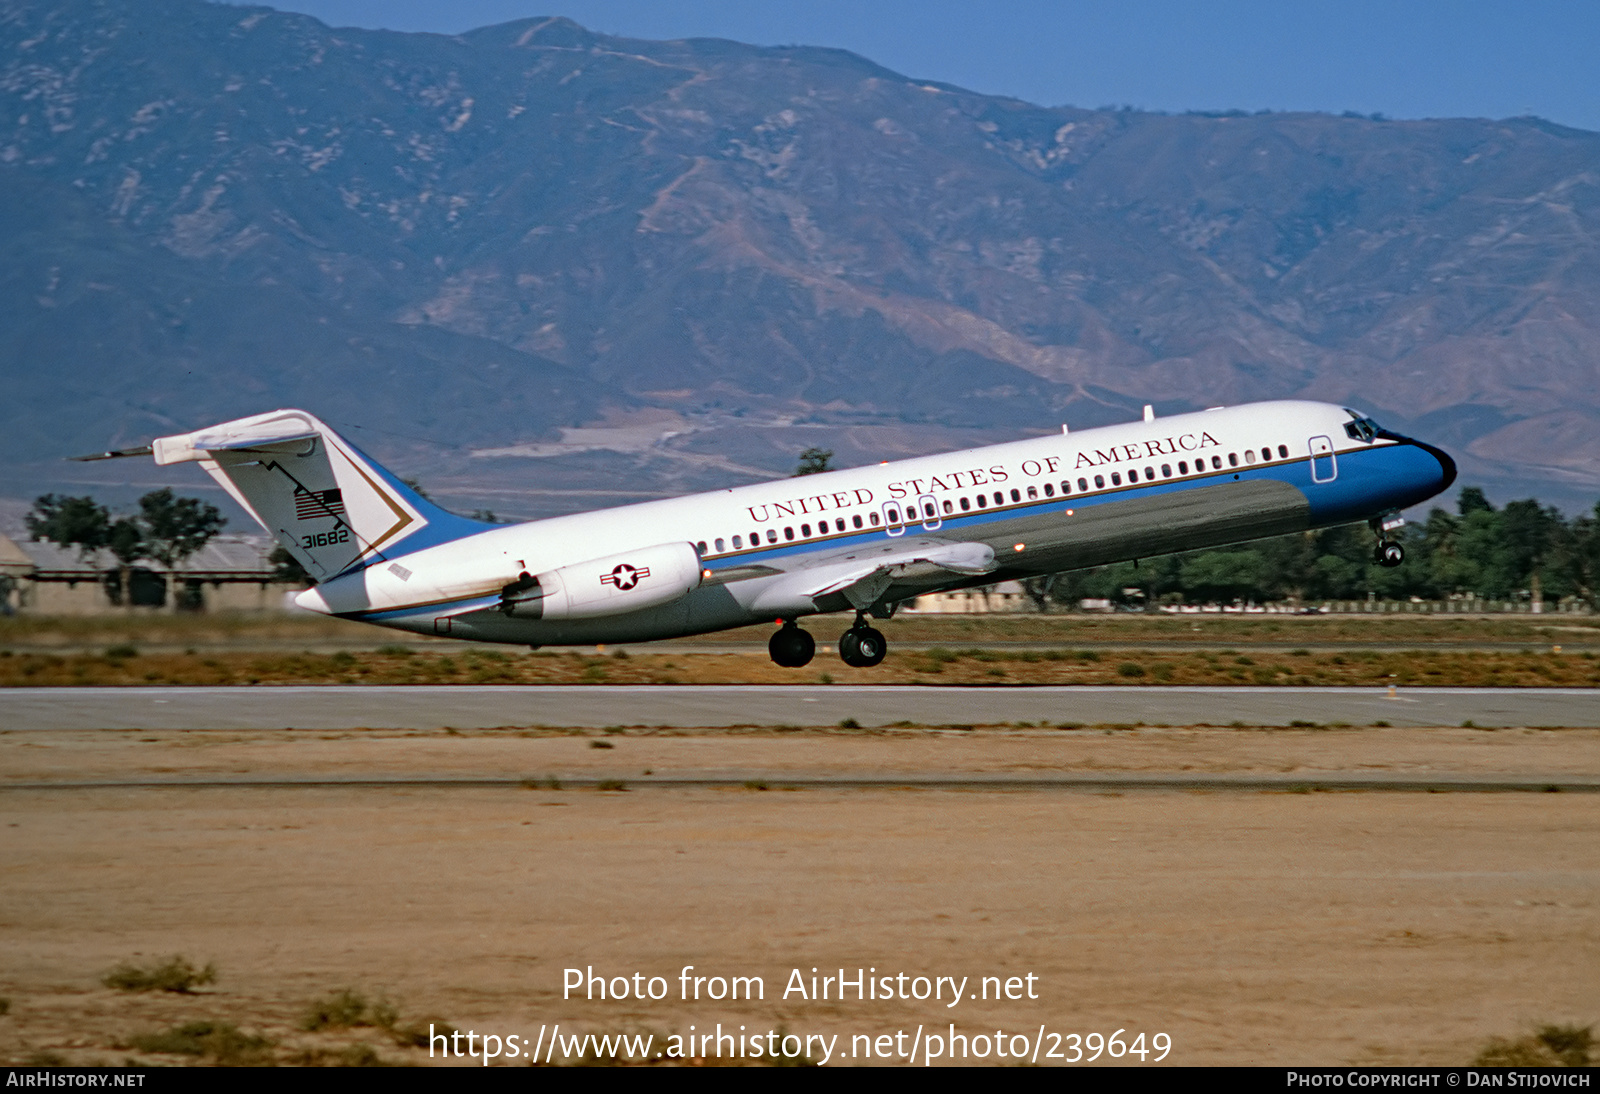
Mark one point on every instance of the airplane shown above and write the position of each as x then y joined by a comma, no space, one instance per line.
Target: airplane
864,539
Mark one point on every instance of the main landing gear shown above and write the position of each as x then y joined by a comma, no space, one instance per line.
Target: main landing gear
859,647
790,646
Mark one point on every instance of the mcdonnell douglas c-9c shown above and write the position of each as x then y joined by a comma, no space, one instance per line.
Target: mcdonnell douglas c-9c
861,540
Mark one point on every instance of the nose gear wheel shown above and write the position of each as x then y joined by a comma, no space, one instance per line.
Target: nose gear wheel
1389,553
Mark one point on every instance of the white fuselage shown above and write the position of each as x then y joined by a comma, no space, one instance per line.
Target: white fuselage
975,516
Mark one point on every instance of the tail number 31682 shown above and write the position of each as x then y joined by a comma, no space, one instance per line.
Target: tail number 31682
326,539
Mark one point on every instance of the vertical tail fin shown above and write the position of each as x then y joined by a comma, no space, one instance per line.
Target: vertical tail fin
326,503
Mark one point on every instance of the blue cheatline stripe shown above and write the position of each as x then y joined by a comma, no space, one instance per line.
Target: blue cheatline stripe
1358,491
1296,473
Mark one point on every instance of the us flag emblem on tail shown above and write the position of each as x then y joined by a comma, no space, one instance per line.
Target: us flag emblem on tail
316,504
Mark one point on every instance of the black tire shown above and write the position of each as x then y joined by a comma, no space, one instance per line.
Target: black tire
1391,554
862,647
871,645
850,650
791,647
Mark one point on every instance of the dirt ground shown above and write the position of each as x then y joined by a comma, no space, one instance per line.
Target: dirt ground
1251,927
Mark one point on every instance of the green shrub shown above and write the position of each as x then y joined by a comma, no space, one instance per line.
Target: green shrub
345,1009
177,975
1550,1046
220,1041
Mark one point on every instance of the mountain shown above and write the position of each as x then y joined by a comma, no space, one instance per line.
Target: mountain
544,269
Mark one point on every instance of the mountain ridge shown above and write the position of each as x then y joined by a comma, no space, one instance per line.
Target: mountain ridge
493,237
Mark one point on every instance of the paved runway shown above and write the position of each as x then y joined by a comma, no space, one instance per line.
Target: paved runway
421,707
1116,782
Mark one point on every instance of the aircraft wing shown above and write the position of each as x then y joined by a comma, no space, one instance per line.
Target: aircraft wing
863,574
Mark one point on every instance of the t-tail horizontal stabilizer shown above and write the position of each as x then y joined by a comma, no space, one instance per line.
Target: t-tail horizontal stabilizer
330,507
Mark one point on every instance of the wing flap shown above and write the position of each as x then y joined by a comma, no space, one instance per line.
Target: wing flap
861,577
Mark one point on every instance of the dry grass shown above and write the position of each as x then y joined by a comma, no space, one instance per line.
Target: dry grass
939,665
199,631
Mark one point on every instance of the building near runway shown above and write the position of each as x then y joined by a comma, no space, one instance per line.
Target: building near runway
1005,597
230,573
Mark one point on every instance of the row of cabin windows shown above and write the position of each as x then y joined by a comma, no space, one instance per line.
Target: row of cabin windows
981,501
823,529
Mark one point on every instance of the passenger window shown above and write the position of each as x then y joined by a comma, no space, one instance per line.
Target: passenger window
1249,456
1266,455
894,516
965,505
721,546
737,543
1049,491
1099,482
1066,487
1133,475
999,498
788,533
1016,495
1216,463
1149,474
805,529
772,535
1116,478
856,520
982,501
872,519
701,546
1233,459
1283,452
1033,493
1183,467
948,508
1083,484
1166,471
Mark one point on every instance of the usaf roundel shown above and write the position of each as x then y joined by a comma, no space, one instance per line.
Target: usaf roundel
625,577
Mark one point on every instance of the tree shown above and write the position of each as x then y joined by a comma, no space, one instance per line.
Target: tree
286,568
814,461
175,528
70,522
1473,500
126,540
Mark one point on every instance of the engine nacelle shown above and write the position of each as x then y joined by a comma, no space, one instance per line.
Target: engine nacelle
614,585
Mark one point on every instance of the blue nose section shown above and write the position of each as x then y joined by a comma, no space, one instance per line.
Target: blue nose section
1426,470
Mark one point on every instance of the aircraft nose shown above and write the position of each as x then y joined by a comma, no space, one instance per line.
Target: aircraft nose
1447,466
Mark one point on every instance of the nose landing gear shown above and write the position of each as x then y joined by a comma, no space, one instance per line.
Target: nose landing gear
862,646
1387,552
790,647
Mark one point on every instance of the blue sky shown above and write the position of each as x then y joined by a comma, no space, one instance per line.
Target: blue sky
1402,58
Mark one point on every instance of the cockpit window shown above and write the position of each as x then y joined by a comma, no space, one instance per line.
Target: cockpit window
1360,429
